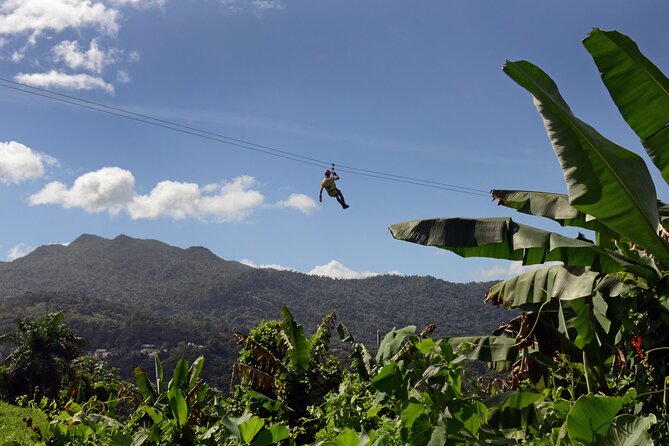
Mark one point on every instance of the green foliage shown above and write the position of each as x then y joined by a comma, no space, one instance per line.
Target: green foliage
588,326
282,372
44,350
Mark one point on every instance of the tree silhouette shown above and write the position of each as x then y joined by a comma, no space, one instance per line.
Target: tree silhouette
44,351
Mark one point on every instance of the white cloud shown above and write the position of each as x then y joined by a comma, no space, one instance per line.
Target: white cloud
54,78
19,250
501,272
20,163
238,6
122,77
109,189
250,263
337,270
262,5
233,201
112,190
168,198
30,16
94,59
139,4
301,202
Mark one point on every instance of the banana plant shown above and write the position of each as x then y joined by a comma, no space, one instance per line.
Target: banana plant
175,408
282,371
601,292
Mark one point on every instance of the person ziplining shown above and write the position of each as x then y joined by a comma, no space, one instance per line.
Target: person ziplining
328,184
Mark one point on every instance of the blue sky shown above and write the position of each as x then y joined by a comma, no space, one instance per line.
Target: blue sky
412,89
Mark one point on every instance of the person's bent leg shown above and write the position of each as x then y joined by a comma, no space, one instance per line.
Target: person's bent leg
340,199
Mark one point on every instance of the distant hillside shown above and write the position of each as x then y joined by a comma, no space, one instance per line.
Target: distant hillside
123,293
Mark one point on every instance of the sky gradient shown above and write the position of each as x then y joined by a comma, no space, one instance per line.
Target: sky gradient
411,89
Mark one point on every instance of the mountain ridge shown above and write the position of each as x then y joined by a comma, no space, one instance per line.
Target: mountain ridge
124,292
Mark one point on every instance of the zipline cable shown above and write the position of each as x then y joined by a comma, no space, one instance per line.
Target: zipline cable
170,125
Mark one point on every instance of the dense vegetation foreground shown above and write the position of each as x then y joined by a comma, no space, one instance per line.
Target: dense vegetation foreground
583,361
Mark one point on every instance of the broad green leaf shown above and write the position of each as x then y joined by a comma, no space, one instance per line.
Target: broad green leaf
603,179
249,428
180,375
548,205
384,440
298,348
231,424
178,405
348,437
628,430
392,343
144,385
272,435
410,413
426,345
388,380
638,88
520,400
502,238
590,418
582,323
538,286
153,413
438,437
490,349
420,431
195,370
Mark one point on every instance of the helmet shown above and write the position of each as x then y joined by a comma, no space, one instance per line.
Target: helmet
327,172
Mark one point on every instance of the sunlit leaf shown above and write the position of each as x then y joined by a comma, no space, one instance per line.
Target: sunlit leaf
638,88
392,343
502,238
249,428
590,418
603,179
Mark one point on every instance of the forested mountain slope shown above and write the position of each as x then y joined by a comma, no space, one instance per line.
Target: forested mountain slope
123,293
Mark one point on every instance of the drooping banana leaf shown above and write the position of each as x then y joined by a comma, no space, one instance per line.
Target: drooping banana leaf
557,208
553,282
603,179
639,89
499,351
502,238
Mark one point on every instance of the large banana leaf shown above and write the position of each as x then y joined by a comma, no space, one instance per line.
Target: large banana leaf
297,343
548,205
603,179
501,351
502,238
553,282
639,89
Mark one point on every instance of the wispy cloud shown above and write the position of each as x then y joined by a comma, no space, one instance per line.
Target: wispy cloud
112,190
20,163
57,79
139,4
94,59
334,269
239,6
70,64
252,264
18,251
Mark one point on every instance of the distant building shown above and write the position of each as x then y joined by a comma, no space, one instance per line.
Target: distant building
101,353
